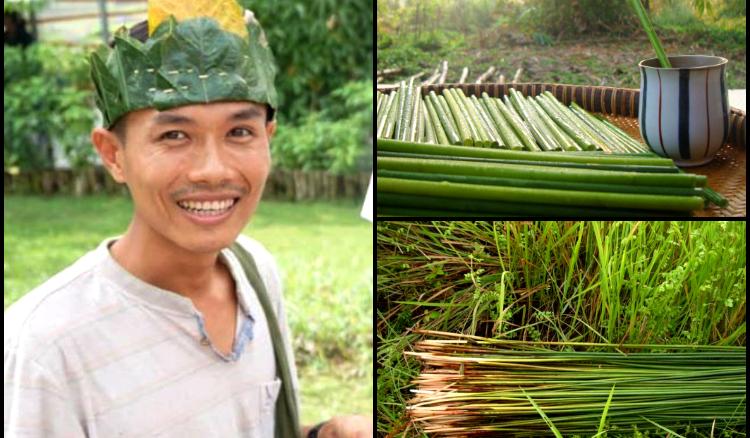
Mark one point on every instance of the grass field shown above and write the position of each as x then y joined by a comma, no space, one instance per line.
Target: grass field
324,251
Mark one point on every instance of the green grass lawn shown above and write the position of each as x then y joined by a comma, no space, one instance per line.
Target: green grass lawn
324,251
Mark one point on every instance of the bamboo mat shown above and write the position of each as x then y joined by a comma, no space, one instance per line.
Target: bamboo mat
726,172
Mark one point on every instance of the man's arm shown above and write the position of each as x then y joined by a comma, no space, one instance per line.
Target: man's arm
349,426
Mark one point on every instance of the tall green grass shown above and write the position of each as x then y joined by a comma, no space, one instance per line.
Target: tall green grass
596,282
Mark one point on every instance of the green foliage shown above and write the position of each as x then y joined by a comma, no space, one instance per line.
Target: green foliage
334,139
577,17
46,97
25,6
414,49
319,45
724,32
732,9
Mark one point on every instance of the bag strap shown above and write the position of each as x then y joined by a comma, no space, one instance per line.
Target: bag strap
287,411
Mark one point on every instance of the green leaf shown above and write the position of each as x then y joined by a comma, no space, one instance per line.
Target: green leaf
544,416
606,409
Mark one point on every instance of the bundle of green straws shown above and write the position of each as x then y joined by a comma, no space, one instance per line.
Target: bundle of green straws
474,386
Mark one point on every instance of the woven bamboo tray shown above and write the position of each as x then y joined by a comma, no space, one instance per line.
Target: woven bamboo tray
726,172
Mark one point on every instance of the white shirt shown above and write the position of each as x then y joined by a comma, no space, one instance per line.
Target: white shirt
97,352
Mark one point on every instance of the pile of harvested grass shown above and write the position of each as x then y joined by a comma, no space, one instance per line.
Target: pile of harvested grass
473,386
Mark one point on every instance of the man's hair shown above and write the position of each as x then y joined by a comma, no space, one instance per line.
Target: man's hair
140,33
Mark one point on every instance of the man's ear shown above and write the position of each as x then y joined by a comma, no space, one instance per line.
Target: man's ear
111,152
270,129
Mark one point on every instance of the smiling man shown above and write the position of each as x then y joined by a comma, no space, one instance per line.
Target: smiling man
177,327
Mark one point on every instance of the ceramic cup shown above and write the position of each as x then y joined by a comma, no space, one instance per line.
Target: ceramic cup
683,111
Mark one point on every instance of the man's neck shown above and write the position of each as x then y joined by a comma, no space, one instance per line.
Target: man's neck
160,262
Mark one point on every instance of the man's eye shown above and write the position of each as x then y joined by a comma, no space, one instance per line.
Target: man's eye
173,135
240,132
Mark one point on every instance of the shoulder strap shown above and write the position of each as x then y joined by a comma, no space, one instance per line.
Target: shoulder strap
287,411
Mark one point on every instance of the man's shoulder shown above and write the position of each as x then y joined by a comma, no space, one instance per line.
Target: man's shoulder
262,257
266,264
50,309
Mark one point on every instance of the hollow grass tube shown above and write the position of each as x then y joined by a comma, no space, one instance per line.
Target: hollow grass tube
539,196
613,143
615,133
413,127
464,207
477,119
506,103
402,118
461,123
440,102
390,122
444,119
388,211
589,166
605,129
429,132
379,104
510,139
559,135
539,124
543,138
385,113
574,157
561,116
440,136
418,125
573,119
487,123
542,184
382,114
715,197
517,125
525,171
625,137
479,139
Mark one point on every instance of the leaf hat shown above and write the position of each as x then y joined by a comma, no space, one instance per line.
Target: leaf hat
197,52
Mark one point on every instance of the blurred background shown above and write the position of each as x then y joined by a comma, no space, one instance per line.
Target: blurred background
59,202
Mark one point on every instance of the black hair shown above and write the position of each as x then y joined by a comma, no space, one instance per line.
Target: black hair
140,33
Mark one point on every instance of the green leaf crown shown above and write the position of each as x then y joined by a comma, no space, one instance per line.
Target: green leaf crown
190,62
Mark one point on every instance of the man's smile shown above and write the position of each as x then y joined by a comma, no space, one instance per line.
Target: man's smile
208,212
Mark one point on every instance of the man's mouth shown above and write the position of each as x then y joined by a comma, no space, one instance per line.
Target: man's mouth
208,208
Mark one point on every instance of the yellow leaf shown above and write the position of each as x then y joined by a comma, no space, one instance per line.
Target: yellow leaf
228,13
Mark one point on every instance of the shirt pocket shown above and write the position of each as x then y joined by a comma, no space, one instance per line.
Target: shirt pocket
268,394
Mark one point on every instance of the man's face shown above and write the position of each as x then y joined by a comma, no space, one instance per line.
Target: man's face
196,173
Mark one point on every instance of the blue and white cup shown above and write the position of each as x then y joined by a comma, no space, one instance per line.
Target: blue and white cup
683,111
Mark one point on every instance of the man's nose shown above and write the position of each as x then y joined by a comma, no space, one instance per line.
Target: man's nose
210,164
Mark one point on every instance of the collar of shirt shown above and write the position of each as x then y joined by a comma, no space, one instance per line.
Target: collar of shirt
173,303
